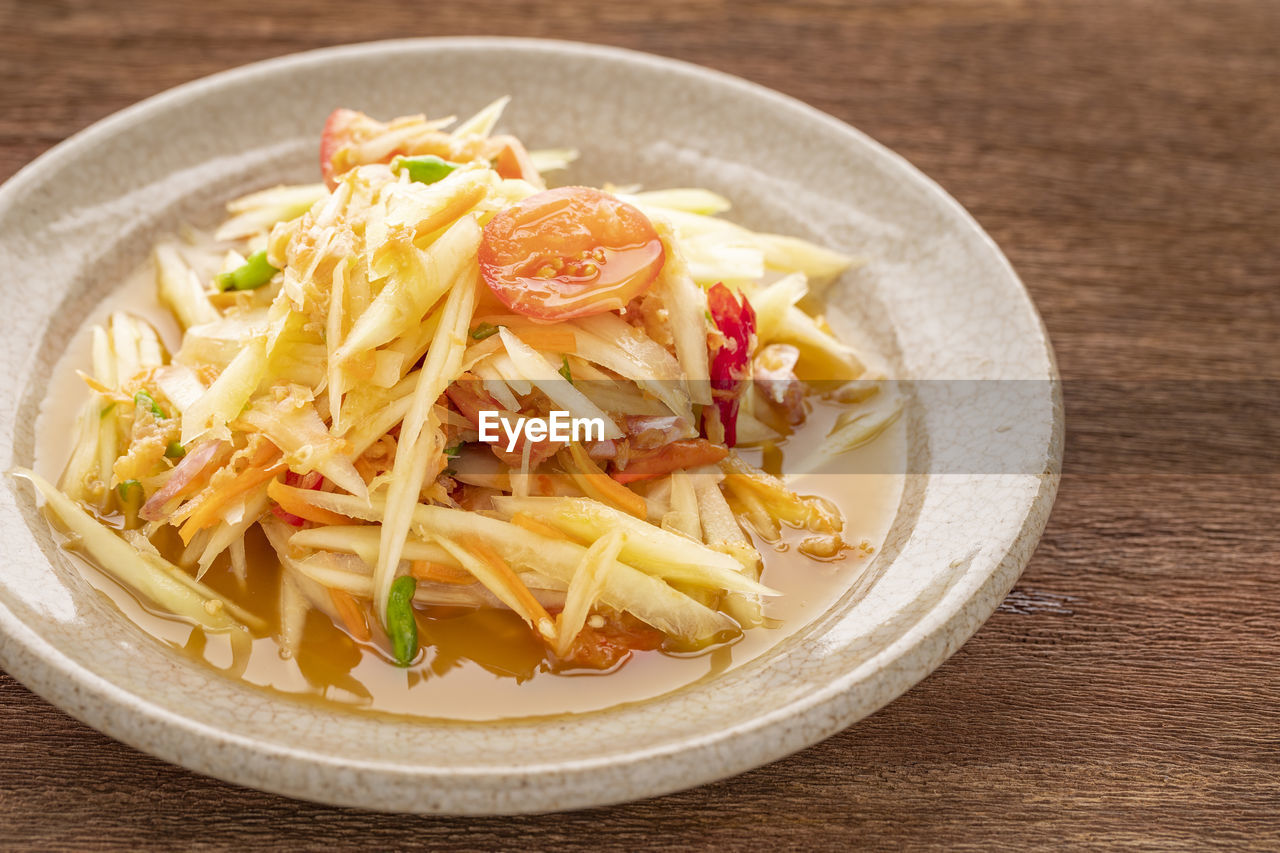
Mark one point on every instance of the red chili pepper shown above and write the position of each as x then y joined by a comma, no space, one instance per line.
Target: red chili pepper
731,359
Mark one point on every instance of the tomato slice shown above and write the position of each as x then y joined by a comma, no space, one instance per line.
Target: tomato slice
604,647
569,252
513,161
337,132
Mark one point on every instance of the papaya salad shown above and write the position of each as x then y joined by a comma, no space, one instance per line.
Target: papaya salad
368,380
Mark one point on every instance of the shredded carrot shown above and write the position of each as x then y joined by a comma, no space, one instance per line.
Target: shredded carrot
94,384
263,453
531,524
260,470
426,571
599,485
350,613
294,505
537,614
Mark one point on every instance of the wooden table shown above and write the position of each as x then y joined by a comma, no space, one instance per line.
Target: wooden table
1126,156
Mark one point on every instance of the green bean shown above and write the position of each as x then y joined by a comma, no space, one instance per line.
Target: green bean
131,500
253,273
425,169
142,398
402,625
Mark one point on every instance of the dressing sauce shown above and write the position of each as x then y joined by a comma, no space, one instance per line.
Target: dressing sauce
482,664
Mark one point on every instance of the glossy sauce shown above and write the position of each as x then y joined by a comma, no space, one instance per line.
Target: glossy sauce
484,664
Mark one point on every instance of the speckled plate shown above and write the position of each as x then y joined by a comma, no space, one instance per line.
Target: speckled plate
937,298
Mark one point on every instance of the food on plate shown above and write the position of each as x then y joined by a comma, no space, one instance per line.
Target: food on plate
431,389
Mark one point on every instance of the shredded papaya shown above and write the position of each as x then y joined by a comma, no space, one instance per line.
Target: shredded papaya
365,328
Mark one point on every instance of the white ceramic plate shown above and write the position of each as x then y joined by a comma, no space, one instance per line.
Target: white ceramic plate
937,298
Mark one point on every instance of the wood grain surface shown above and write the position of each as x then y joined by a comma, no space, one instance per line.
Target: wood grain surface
1126,156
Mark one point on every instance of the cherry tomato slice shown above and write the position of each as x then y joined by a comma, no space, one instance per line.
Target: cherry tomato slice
513,161
337,133
569,252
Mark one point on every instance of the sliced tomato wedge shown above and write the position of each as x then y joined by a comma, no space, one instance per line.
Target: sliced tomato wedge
569,252
513,161
336,133
604,647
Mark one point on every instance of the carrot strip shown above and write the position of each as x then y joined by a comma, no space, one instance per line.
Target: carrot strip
251,477
531,524
290,502
671,457
597,484
513,161
265,452
537,613
437,573
350,613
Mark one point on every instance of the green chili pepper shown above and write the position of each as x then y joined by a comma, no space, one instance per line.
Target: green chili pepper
252,274
484,330
175,450
142,398
564,369
131,499
425,169
402,627
126,490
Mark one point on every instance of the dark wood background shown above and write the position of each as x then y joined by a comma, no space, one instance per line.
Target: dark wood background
1126,155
